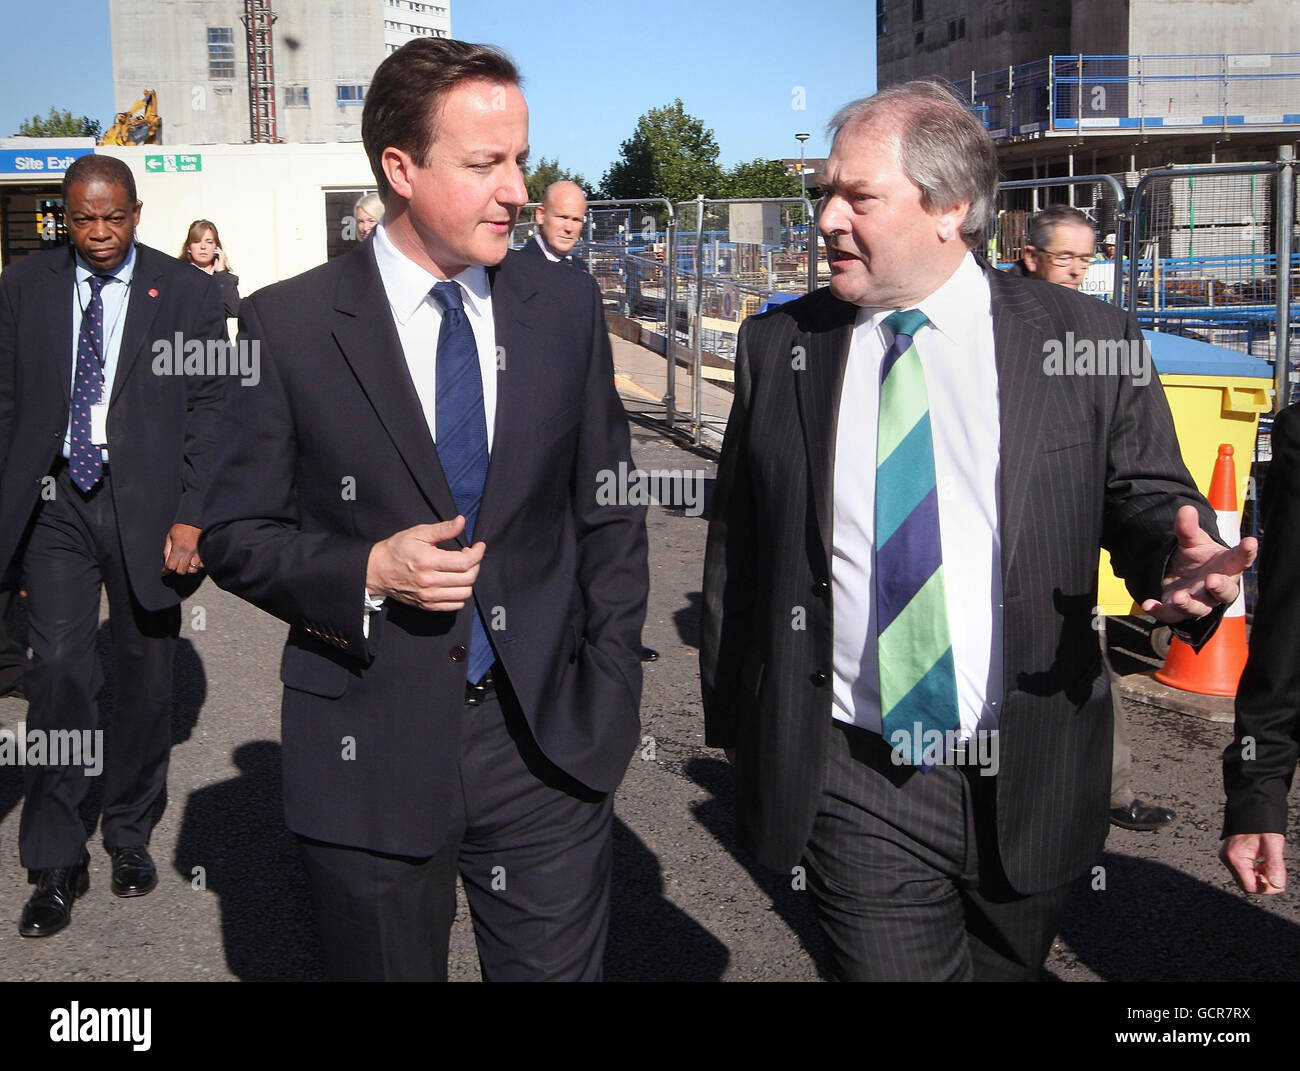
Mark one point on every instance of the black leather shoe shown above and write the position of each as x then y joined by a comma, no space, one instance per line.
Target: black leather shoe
50,906
134,873
649,654
1141,815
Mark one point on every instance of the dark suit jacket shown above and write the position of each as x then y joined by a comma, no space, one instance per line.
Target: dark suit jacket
161,428
1268,697
532,249
1085,461
331,453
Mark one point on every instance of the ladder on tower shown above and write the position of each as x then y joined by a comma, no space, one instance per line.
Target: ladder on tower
258,19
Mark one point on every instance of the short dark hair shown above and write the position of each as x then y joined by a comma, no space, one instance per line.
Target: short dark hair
1046,221
944,151
406,94
94,168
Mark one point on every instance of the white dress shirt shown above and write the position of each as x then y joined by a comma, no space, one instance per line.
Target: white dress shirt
116,296
956,353
418,318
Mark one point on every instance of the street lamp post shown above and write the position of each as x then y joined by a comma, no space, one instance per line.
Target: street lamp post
803,195
803,179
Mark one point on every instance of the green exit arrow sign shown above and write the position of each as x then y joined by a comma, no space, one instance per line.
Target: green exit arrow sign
179,162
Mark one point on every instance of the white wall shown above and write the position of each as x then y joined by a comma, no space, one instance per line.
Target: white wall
266,200
1191,26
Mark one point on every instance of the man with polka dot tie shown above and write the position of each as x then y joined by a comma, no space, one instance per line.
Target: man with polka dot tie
104,463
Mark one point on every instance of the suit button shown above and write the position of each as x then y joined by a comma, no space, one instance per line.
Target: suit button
821,587
819,679
458,653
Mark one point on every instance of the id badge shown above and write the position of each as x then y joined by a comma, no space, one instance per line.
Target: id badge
99,424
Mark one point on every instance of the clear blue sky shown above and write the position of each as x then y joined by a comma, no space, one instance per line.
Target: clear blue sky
738,65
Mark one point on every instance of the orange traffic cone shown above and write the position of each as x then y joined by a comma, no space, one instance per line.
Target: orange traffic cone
1217,668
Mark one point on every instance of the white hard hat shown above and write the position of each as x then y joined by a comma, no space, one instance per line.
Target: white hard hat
1109,239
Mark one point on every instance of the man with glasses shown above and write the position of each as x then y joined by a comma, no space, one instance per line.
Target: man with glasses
1061,245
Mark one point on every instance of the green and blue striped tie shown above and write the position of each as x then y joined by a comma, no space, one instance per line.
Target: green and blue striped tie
918,684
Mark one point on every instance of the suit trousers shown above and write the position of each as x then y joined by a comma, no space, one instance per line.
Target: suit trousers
904,871
534,855
13,634
74,549
1121,755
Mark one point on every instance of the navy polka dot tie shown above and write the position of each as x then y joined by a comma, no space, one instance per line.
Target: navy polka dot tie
86,458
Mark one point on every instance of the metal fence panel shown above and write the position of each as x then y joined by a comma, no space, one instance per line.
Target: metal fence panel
1207,255
1099,197
732,257
627,246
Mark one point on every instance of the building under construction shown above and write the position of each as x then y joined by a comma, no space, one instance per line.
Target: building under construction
262,71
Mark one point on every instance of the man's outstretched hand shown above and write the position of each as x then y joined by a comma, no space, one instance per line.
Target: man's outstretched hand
1202,573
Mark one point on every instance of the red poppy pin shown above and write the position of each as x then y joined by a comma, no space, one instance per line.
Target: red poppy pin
153,293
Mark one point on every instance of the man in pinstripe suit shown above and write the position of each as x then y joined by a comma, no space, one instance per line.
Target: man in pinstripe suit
938,822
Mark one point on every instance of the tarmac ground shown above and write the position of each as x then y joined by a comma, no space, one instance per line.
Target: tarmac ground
687,903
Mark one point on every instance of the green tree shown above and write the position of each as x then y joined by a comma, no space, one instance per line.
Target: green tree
759,178
548,171
60,124
671,154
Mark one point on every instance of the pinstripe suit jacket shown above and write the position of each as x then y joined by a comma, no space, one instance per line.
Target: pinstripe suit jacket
1087,461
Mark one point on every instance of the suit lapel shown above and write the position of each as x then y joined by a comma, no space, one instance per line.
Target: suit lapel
825,335
57,315
367,337
512,323
141,308
1020,330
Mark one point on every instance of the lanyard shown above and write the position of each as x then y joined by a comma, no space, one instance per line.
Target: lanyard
117,320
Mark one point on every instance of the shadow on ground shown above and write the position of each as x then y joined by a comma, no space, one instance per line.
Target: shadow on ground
233,844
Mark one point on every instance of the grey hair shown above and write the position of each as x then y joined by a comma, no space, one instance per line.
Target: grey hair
1046,221
942,148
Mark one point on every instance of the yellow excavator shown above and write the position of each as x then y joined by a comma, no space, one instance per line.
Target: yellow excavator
139,125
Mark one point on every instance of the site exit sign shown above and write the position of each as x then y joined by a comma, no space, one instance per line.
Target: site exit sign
174,162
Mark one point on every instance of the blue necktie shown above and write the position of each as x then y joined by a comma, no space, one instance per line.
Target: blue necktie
918,685
462,437
85,459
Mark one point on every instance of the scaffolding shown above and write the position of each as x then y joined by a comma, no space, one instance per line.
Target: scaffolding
258,18
1089,95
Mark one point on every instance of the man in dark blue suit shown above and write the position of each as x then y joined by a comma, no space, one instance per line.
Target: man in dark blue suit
103,467
560,219
413,488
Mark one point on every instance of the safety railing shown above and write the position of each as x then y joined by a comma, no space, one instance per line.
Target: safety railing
1090,94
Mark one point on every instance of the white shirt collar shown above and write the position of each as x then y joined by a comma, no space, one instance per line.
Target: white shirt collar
953,308
408,285
546,249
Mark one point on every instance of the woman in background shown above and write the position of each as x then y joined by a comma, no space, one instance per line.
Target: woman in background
202,248
368,211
